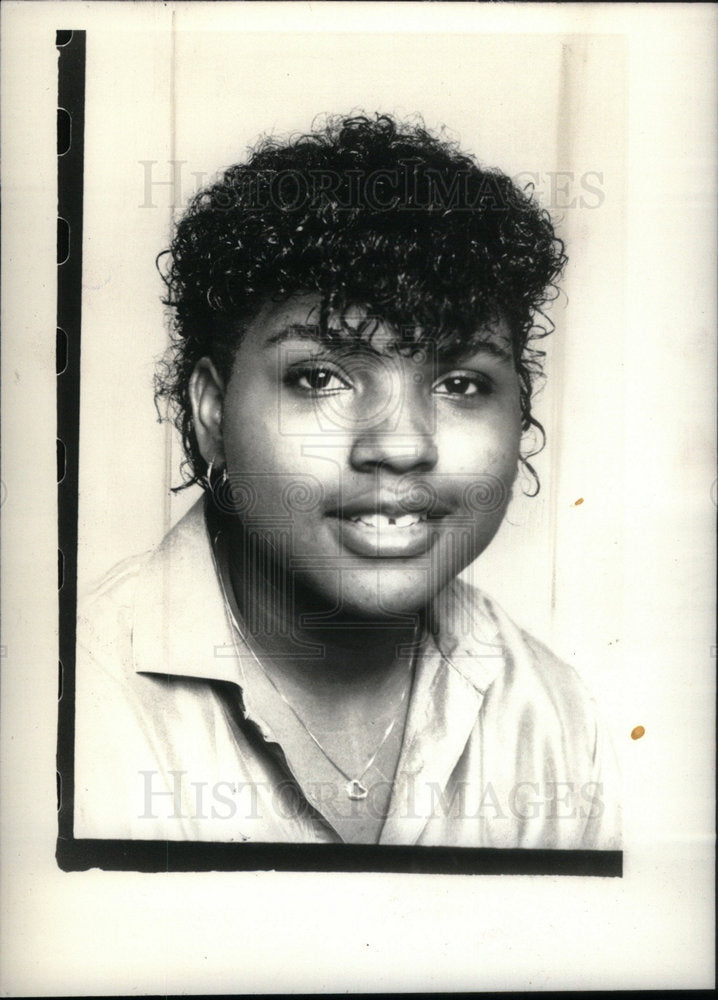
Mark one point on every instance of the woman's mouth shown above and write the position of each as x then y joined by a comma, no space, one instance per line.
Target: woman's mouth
377,534
381,522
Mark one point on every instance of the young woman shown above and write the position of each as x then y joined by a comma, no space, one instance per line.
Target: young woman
351,374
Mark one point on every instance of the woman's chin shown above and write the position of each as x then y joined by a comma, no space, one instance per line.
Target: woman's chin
372,596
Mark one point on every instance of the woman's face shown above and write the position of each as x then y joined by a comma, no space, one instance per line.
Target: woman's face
375,472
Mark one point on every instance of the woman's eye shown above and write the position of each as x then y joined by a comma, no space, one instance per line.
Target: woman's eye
316,380
462,385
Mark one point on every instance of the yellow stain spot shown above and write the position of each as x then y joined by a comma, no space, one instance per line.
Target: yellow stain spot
578,502
637,733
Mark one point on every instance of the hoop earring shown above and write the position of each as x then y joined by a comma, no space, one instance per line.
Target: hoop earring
207,478
219,489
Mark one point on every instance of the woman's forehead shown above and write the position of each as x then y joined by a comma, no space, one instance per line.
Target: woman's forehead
302,317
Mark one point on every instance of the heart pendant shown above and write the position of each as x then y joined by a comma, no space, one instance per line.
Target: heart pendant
355,789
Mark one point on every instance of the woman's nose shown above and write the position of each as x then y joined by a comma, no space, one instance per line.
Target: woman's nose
402,441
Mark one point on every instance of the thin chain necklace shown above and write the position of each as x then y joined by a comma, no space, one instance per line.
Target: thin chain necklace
354,787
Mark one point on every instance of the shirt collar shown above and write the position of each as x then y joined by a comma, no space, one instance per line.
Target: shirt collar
182,627
467,634
180,622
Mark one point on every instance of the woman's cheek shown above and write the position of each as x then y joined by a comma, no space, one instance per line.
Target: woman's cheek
481,448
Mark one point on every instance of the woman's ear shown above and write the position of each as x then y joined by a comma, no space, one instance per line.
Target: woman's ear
206,391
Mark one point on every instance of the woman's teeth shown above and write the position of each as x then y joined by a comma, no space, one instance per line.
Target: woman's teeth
384,521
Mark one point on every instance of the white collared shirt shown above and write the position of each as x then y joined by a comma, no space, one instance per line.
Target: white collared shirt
502,747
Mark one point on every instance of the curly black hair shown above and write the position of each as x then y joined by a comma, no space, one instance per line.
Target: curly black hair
366,212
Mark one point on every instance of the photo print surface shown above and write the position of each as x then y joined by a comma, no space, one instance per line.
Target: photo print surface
382,664
316,631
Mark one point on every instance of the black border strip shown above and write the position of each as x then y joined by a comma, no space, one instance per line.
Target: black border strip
70,178
166,856
161,856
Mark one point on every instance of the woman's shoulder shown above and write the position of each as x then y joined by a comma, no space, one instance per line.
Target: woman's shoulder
105,613
528,662
116,587
116,582
537,689
107,606
543,718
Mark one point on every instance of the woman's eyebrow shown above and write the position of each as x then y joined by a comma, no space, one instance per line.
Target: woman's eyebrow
297,331
493,348
496,349
312,332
